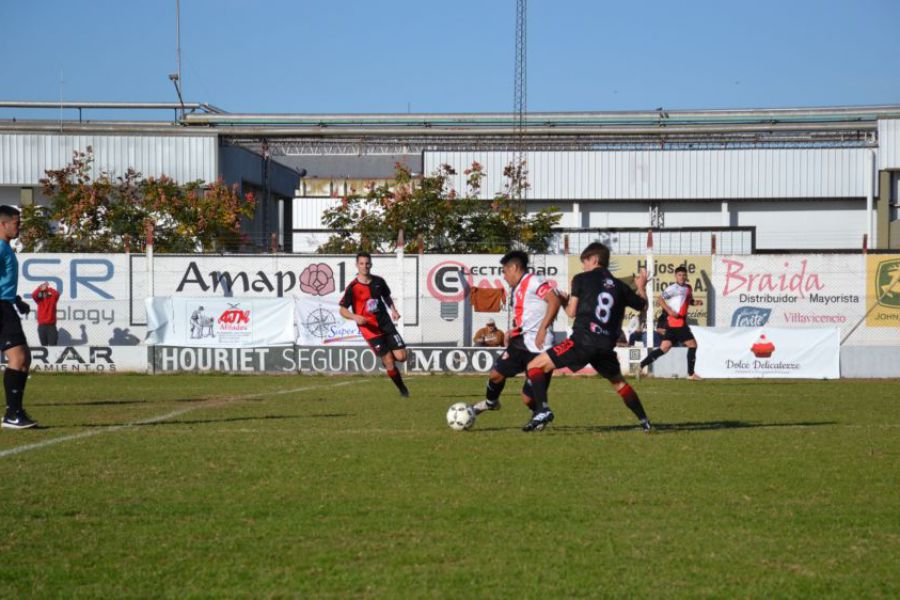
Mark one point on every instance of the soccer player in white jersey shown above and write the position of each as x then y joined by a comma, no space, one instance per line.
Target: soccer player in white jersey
676,299
535,305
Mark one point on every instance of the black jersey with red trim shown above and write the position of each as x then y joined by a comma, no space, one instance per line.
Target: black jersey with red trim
371,300
601,305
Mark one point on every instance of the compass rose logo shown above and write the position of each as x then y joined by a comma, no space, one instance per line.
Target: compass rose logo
319,323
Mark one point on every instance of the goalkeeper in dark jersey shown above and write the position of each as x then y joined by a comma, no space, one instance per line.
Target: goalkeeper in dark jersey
597,302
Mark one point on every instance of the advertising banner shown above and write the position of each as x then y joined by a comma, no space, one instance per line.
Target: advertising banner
768,352
93,308
280,359
447,315
321,278
88,359
883,290
319,322
220,323
360,359
789,290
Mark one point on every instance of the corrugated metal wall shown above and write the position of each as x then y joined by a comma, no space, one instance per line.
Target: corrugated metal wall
307,212
25,156
888,144
673,174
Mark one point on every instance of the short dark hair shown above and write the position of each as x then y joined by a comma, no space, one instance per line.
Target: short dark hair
517,257
681,269
599,250
8,212
363,254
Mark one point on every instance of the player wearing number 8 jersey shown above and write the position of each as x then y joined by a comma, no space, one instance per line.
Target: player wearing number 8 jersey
597,302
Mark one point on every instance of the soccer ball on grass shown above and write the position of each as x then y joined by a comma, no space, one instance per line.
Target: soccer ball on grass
460,416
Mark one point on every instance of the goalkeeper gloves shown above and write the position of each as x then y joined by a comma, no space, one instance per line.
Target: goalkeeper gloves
22,306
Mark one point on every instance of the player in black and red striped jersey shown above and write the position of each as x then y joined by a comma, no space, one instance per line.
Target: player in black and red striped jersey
675,301
369,297
597,302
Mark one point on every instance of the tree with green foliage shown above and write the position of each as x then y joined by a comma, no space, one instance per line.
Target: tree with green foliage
428,211
109,213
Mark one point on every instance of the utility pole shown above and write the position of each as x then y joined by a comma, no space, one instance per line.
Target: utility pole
520,93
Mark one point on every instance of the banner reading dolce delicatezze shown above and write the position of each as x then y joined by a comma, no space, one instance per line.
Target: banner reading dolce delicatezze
768,352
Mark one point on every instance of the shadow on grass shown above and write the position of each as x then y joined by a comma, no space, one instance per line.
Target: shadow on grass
91,403
668,427
203,421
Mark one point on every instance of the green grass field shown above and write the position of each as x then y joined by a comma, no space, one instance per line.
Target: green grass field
211,486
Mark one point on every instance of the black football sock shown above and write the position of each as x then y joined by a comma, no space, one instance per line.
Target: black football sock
394,374
539,389
630,397
692,360
494,389
651,357
14,386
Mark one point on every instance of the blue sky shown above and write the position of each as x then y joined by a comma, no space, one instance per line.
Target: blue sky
400,55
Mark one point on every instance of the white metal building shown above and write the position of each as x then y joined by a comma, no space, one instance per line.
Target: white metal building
787,179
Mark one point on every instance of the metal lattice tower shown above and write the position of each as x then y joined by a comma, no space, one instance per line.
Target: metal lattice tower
520,82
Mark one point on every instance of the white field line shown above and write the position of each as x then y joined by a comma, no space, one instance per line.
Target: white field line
165,417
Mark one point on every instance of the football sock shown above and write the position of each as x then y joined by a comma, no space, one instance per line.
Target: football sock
692,360
14,386
538,380
630,397
394,374
651,357
494,389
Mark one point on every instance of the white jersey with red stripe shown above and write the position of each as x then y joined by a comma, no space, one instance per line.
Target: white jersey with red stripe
678,298
529,309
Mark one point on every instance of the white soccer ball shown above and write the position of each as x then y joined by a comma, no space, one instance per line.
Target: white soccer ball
460,416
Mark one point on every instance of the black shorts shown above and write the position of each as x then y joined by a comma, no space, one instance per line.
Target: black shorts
575,353
11,334
387,342
515,358
678,335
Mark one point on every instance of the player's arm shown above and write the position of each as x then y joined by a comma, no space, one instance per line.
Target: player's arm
637,298
690,297
571,303
389,302
664,297
550,312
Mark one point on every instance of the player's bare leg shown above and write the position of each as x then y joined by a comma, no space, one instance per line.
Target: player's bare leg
631,400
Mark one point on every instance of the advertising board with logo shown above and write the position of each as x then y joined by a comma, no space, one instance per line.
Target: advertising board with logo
768,352
360,359
93,304
883,292
789,290
223,323
447,280
87,359
318,279
279,359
